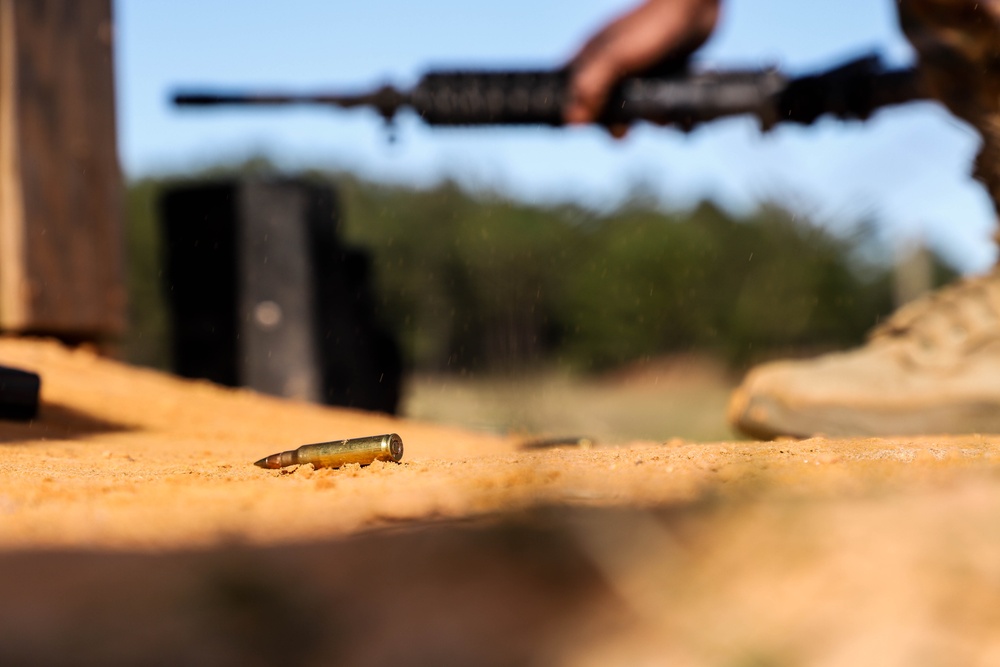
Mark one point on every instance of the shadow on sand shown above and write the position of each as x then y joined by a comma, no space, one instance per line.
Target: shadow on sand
499,592
57,422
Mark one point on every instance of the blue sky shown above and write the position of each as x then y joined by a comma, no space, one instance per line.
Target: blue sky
908,168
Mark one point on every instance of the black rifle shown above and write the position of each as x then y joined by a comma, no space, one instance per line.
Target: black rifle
852,91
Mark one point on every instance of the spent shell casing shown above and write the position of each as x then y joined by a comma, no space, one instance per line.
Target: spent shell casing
337,453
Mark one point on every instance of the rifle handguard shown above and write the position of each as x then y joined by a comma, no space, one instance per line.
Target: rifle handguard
539,98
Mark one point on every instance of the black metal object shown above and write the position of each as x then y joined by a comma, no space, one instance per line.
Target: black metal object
18,394
684,98
264,294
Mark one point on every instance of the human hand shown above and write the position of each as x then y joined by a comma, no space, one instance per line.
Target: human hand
653,32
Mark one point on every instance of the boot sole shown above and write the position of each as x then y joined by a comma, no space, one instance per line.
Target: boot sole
765,418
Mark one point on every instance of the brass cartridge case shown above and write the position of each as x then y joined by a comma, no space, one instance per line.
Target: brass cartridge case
334,454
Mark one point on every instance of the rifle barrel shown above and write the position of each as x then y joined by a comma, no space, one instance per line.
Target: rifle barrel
209,99
386,100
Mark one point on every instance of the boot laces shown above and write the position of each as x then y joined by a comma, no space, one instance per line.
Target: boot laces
964,313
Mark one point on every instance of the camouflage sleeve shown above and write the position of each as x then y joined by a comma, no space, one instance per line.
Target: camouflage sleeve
958,43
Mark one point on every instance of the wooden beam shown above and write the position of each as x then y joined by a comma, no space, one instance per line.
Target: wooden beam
61,232
12,269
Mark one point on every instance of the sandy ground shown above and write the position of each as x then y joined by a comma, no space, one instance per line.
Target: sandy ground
134,529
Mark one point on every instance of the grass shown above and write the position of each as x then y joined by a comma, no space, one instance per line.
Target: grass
678,397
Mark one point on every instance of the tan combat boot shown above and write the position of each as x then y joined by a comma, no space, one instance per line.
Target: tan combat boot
932,368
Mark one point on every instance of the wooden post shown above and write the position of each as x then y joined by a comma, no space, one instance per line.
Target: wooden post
61,232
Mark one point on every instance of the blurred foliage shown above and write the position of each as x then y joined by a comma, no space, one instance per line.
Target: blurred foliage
146,340
478,281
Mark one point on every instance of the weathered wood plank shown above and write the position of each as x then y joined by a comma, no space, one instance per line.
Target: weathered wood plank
12,269
61,233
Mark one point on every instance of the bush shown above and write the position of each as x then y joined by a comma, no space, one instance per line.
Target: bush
472,282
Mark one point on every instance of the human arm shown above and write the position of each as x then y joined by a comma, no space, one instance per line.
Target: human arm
649,34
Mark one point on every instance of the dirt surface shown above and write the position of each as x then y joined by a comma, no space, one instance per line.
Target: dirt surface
134,529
